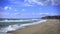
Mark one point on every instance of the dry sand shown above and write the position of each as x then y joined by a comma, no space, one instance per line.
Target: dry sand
49,27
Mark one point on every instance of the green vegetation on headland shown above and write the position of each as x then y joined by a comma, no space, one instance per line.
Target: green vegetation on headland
51,17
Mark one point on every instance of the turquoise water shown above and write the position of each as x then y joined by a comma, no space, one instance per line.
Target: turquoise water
3,24
12,26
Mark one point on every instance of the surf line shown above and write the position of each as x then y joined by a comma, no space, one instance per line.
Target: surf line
16,27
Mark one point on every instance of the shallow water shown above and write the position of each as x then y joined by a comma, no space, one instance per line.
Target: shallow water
19,26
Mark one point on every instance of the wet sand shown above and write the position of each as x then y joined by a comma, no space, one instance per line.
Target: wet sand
51,26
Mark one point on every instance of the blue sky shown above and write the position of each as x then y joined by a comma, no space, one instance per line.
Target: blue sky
28,8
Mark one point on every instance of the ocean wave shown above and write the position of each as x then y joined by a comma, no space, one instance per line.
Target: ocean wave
14,20
16,26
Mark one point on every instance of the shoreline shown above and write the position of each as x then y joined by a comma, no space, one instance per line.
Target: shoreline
22,26
49,26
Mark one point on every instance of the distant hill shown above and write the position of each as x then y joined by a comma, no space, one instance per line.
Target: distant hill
51,17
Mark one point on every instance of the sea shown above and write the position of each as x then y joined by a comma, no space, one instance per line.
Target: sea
12,25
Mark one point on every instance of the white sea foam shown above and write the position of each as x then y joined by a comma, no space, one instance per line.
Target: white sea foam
14,20
16,26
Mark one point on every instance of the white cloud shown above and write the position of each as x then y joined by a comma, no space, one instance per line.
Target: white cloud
15,13
44,13
23,10
15,10
43,2
27,4
35,2
6,13
7,8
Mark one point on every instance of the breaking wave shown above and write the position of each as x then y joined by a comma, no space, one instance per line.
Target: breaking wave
16,26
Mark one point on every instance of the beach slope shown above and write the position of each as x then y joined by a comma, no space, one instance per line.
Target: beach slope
51,26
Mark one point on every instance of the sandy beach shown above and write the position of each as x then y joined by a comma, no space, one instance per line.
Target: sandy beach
51,26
